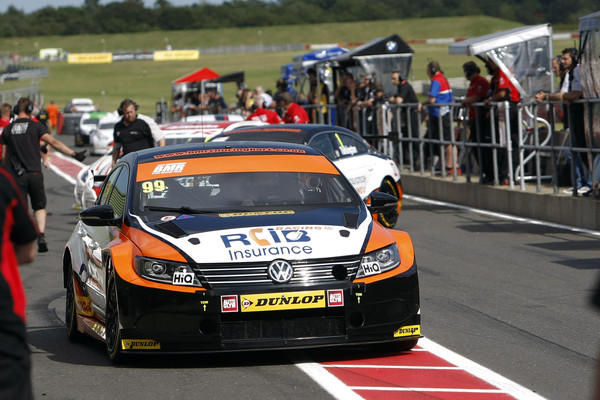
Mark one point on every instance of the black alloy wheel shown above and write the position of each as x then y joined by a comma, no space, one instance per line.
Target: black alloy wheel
389,219
113,330
71,309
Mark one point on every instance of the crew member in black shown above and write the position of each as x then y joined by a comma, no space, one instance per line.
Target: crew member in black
21,155
135,131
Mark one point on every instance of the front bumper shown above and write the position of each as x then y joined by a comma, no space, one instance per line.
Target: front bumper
154,320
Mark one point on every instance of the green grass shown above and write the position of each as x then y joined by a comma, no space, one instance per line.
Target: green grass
147,81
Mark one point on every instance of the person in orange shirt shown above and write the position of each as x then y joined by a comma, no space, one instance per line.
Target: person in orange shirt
52,111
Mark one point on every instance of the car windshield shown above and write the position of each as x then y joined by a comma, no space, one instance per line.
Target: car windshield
171,140
249,191
107,125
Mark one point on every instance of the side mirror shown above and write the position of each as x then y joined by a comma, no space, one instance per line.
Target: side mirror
102,215
382,203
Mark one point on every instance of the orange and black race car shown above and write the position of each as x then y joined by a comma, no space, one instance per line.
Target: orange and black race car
237,246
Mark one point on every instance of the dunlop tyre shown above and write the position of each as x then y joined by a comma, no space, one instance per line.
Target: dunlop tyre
389,219
71,309
113,330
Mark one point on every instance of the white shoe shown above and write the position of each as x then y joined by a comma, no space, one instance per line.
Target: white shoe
584,190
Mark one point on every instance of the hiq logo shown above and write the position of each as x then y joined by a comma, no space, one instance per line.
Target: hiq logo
268,238
171,168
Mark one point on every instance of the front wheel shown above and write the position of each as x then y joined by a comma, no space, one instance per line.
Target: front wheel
113,324
389,219
71,309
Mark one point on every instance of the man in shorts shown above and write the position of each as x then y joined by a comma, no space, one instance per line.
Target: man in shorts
21,155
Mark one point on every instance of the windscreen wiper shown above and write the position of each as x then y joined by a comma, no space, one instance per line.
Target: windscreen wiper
180,210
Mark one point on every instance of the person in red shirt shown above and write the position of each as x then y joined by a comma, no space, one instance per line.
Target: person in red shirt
503,90
263,114
293,112
5,114
18,234
479,119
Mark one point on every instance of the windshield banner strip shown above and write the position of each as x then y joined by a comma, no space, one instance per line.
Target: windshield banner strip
219,165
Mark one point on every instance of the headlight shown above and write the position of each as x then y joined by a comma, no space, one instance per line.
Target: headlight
166,272
379,261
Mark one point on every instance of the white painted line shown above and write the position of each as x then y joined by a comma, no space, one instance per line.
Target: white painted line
60,173
423,390
501,215
67,158
389,367
328,381
506,385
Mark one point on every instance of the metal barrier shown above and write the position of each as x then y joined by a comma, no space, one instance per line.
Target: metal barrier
533,152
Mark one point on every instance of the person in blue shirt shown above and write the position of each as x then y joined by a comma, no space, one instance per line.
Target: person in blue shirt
440,93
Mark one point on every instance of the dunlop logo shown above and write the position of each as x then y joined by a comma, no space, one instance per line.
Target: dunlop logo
283,301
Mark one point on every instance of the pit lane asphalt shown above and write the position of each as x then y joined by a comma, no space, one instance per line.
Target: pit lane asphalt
511,296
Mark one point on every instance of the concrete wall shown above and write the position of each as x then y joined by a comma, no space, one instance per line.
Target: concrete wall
582,212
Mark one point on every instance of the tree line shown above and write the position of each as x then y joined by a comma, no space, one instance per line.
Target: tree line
133,16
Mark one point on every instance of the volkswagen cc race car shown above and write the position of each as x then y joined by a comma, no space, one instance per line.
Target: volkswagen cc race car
366,168
237,246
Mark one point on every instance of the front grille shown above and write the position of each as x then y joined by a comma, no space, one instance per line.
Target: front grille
305,272
284,329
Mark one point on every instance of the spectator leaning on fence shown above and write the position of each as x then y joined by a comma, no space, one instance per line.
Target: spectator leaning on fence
504,91
479,129
440,93
570,91
405,94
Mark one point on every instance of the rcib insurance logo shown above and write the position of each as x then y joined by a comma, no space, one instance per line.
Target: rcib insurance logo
335,298
229,303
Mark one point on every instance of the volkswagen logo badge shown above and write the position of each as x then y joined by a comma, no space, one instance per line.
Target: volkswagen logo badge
280,271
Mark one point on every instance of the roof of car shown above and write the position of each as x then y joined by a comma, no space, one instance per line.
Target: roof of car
288,133
217,149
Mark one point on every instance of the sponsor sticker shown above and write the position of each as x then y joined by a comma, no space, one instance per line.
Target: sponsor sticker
335,298
184,278
169,168
370,268
409,330
140,344
283,301
229,303
255,213
84,304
